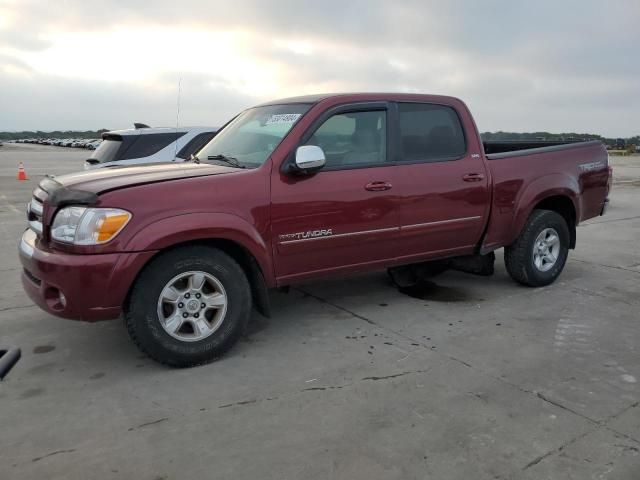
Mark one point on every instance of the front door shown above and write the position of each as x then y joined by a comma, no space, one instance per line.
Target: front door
344,217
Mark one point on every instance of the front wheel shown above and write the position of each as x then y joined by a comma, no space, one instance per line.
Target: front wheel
188,306
539,254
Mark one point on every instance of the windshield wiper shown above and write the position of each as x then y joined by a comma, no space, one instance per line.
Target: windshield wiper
233,161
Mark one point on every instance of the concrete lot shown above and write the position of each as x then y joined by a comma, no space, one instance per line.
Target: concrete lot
477,379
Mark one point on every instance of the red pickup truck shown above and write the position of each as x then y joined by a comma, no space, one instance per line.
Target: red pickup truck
293,190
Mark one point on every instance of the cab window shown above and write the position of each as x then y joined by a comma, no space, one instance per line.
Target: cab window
353,139
430,132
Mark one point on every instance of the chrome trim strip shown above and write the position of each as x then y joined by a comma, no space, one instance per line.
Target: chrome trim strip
440,222
382,230
350,234
37,207
25,248
36,226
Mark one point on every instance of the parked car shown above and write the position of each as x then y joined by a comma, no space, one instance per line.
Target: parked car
148,145
295,190
93,144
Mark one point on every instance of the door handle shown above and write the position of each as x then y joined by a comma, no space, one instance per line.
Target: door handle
378,186
473,177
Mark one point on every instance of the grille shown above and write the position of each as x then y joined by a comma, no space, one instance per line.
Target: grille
35,210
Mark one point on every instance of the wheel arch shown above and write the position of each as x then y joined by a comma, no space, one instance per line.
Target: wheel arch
231,234
558,193
562,205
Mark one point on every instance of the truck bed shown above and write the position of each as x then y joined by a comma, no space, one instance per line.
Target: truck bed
491,148
577,170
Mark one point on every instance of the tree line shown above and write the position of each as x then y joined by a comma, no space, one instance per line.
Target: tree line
547,136
55,134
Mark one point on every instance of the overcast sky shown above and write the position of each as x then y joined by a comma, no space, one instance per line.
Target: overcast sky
520,65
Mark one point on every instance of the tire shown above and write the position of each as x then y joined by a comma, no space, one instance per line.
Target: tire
526,263
166,320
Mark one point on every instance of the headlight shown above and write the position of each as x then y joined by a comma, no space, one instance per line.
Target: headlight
88,226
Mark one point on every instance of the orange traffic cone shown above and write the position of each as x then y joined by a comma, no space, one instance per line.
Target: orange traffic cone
22,175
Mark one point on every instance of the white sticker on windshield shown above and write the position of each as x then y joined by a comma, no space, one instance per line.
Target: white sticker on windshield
282,118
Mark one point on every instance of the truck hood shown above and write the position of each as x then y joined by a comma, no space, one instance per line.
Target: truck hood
105,179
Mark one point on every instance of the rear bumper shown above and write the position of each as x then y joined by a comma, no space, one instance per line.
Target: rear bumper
78,287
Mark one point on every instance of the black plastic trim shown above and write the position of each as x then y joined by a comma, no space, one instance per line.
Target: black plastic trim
65,196
536,151
49,184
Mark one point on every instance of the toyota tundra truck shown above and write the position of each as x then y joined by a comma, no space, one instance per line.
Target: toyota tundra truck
295,190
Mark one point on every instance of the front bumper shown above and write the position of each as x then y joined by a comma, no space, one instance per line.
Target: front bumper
78,287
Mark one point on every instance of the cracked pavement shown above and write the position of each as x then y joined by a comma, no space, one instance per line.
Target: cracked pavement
472,377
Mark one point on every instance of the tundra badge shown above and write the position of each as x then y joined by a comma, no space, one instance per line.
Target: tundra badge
305,235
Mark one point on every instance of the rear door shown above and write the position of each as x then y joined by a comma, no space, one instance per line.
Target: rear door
344,217
443,181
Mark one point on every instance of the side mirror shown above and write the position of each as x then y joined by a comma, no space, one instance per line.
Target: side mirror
309,158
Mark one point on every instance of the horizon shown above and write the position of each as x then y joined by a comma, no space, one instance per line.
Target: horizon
494,132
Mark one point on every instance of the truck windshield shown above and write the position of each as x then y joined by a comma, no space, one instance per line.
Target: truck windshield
254,134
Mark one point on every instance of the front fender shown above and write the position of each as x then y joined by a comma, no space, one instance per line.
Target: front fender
191,227
556,184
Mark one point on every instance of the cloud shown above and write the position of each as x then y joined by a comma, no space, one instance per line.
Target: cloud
520,66
52,103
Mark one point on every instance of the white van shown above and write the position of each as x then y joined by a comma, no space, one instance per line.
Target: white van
148,145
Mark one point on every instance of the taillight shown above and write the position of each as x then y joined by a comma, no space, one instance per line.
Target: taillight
610,179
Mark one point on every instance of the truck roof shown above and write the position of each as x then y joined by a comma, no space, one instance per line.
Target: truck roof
362,96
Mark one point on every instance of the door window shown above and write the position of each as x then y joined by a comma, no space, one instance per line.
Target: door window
353,139
430,133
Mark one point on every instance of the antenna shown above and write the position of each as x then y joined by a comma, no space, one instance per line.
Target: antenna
175,152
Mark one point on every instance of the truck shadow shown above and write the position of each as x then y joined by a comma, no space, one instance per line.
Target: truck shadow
358,293
430,290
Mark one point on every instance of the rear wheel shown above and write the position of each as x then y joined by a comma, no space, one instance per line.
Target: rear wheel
539,254
188,306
